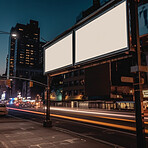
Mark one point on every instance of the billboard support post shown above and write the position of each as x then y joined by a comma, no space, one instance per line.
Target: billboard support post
47,122
140,130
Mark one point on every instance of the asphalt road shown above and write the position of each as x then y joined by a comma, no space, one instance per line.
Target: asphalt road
109,128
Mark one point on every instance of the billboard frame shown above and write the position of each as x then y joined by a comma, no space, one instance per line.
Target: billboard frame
107,7
110,54
52,43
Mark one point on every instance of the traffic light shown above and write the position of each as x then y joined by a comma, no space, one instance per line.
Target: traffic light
8,83
30,84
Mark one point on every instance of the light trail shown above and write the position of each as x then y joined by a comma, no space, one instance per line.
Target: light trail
98,113
119,119
83,120
88,112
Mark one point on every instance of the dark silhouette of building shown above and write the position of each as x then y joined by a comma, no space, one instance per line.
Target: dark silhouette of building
25,56
94,7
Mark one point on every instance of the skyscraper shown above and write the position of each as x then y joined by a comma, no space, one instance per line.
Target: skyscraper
25,54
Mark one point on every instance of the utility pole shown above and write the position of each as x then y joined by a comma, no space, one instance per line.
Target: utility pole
140,129
47,122
26,89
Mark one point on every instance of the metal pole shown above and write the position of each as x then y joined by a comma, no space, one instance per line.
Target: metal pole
26,89
140,130
47,122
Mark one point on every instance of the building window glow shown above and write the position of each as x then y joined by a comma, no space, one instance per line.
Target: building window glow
20,29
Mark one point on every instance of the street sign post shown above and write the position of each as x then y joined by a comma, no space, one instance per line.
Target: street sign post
140,129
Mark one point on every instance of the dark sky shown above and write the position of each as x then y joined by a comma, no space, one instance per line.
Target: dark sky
54,16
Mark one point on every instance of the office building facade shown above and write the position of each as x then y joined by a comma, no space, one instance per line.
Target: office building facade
25,56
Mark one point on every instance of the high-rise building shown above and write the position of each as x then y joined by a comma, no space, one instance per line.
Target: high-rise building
25,54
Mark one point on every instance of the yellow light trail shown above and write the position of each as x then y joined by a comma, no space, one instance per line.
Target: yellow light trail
108,118
84,120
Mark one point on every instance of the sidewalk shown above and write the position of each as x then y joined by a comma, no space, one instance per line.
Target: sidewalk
21,133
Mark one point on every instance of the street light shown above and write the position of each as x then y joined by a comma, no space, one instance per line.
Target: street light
12,34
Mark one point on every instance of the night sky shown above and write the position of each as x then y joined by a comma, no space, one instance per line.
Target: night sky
54,16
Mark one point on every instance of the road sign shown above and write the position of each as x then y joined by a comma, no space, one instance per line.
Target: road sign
127,79
139,68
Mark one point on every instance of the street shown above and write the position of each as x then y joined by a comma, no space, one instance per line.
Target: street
112,127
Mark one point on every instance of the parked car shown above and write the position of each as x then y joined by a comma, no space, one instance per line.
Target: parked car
3,109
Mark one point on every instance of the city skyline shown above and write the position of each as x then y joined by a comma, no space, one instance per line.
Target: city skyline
63,13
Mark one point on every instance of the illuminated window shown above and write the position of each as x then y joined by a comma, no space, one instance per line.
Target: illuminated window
82,82
20,29
28,45
32,46
31,63
35,34
27,49
31,58
60,82
21,57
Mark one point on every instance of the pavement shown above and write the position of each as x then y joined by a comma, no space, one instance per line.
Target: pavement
22,133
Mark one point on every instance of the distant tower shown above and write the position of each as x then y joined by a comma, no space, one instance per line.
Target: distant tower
25,53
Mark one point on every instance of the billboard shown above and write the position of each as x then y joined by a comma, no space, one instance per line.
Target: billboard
59,54
104,35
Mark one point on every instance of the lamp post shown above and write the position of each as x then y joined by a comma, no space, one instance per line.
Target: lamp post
137,69
14,35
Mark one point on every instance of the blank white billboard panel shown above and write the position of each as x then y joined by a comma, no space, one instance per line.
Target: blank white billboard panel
59,54
106,34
